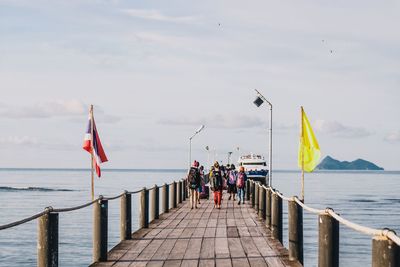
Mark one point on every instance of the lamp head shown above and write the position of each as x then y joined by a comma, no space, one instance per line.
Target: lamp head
200,129
258,102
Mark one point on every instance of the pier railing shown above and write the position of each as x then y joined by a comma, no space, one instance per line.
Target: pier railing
48,232
267,202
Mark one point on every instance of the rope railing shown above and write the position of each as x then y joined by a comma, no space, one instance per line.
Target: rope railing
51,209
25,220
390,234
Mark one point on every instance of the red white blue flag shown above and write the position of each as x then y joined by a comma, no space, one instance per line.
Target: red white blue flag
99,156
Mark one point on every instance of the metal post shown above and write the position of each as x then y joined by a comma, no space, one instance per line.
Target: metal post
126,216
270,147
295,218
328,241
385,253
155,202
47,245
248,190
256,196
165,201
268,209
175,194
100,230
276,217
144,208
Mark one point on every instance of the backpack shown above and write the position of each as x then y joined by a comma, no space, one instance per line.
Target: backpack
232,177
240,180
193,177
217,180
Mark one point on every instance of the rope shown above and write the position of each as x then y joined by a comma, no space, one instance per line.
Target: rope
78,207
363,229
282,196
135,192
28,219
312,210
112,198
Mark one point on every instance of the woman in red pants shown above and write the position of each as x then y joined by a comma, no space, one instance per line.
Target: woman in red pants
216,184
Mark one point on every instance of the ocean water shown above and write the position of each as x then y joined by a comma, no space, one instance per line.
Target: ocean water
368,198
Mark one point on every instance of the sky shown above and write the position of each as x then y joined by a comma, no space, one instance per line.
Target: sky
156,70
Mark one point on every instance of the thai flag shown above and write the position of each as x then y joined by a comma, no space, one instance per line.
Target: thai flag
98,152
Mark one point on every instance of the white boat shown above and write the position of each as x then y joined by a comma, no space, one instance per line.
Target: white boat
255,166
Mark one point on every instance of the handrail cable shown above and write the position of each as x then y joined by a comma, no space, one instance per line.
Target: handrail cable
25,220
77,207
51,209
388,233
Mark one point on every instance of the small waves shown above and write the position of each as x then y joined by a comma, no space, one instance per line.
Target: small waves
33,189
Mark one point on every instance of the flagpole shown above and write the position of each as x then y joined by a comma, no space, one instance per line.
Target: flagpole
91,145
302,155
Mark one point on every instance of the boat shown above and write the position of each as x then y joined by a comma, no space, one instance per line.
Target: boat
255,167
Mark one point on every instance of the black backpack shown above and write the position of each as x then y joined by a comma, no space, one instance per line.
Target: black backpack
217,179
193,177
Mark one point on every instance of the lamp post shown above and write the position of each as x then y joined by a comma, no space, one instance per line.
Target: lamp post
229,157
208,156
190,142
258,102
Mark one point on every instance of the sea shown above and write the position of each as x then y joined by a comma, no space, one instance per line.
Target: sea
369,198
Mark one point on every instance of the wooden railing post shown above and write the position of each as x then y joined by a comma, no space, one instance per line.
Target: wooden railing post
179,192
276,217
253,192
100,230
268,208
184,190
328,241
261,205
144,208
295,218
256,195
385,253
248,190
126,216
165,202
48,240
173,194
155,200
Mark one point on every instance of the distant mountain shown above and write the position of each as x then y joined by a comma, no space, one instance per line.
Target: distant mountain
329,163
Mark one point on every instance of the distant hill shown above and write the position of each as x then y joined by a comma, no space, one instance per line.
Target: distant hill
329,163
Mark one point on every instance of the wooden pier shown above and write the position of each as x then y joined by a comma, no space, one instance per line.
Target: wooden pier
231,236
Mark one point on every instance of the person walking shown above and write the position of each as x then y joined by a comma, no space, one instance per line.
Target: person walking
240,184
193,179
201,184
232,177
216,184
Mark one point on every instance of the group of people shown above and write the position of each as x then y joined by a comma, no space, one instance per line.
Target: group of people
220,178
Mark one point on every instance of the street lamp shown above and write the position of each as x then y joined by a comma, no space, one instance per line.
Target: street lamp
190,142
258,102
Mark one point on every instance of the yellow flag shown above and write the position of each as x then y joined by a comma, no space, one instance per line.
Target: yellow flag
309,152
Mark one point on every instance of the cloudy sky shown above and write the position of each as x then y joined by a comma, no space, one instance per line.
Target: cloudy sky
156,70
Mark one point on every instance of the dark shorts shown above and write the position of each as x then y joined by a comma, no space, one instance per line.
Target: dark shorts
231,188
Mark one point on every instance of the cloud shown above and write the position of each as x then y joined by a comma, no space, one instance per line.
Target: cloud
393,137
337,129
57,108
18,141
218,121
152,14
44,110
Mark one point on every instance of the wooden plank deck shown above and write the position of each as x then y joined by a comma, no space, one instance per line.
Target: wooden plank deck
230,236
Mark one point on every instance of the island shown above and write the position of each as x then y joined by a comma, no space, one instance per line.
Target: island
329,163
